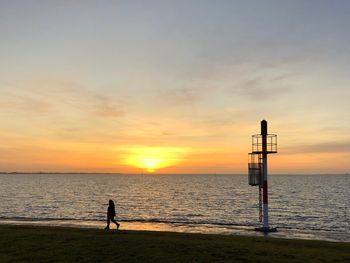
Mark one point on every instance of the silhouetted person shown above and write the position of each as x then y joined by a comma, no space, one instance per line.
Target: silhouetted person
111,214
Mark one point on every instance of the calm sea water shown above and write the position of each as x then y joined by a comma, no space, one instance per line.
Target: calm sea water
300,206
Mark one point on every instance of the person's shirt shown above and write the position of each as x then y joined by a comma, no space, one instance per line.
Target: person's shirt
111,210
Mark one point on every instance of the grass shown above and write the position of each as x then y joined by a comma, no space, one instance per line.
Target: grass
56,244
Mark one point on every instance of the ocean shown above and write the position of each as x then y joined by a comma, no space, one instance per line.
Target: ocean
301,206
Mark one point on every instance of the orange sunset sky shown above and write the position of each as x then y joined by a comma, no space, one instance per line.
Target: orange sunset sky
173,86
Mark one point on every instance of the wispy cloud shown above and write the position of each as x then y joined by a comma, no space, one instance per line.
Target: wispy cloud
261,88
15,101
181,96
105,107
54,95
326,147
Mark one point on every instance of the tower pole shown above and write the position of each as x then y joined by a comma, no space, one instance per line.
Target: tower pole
265,192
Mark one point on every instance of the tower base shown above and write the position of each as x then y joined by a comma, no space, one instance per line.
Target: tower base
266,229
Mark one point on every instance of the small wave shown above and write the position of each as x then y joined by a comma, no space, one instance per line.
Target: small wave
178,221
135,220
305,228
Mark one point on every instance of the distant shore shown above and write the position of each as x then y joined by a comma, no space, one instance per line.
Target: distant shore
59,244
155,173
57,173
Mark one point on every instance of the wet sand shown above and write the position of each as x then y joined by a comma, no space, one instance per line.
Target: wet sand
187,228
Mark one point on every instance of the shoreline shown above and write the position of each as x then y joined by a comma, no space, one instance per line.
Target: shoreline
228,230
20,243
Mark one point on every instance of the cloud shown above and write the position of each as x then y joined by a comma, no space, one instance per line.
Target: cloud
326,147
255,74
258,88
91,102
105,107
24,102
180,96
55,94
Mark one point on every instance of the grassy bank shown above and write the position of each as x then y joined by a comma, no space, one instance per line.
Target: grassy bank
49,244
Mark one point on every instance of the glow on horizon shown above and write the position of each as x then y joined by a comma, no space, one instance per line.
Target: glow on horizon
152,159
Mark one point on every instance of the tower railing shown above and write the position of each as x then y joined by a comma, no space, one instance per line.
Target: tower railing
257,143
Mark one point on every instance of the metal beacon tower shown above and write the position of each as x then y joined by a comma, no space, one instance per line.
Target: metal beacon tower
262,145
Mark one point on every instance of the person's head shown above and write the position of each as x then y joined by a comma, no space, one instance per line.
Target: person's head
111,202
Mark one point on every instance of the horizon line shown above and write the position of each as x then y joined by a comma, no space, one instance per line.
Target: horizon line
117,173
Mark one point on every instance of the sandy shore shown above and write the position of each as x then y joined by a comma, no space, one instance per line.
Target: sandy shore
187,228
20,243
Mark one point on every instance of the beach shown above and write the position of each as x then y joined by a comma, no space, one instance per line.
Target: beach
20,243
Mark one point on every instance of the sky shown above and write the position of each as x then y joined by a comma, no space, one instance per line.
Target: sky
173,86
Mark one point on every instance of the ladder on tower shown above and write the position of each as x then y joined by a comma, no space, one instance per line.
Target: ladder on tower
261,188
260,204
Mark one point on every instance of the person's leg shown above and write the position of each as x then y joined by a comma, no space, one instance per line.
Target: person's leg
115,222
108,221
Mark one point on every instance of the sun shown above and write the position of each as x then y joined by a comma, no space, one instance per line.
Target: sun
151,164
152,159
